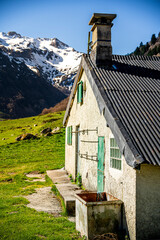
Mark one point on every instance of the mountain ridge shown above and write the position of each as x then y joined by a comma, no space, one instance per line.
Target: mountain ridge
50,58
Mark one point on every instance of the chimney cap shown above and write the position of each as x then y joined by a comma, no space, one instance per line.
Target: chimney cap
105,16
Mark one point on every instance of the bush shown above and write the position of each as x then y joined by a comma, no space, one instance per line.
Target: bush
61,106
79,180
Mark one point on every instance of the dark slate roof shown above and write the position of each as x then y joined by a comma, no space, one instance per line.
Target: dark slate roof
128,92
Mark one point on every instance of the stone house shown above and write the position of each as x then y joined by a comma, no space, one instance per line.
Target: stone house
112,129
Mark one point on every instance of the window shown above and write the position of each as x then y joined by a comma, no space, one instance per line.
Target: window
69,135
80,92
115,155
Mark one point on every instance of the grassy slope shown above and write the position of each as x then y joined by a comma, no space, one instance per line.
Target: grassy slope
17,158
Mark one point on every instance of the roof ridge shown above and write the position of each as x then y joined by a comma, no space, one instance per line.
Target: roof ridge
133,57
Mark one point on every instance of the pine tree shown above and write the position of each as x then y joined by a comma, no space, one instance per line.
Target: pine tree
143,50
141,44
153,39
147,46
137,51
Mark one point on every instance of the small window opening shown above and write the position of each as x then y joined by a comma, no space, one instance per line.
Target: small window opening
115,155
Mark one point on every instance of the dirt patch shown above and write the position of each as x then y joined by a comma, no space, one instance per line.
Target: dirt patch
34,172
12,212
11,173
41,236
36,177
7,180
44,200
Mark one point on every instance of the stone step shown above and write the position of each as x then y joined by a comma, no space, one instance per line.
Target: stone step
66,189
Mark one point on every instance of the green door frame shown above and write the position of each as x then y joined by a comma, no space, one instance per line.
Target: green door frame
100,166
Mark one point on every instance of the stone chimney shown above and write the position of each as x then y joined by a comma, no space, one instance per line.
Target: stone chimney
101,48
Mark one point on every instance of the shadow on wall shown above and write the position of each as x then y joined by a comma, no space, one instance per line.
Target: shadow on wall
124,225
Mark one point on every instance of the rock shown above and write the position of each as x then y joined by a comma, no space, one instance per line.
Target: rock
13,33
25,136
46,130
35,125
55,130
18,138
48,134
3,139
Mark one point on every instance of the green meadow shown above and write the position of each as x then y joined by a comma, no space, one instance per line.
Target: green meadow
17,158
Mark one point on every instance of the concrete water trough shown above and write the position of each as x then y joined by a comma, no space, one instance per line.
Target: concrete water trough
97,214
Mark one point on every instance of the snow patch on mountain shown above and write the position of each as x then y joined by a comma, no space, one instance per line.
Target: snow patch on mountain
48,57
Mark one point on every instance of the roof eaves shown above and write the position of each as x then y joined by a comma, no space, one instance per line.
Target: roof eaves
127,148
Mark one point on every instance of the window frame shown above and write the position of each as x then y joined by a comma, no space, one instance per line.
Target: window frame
115,161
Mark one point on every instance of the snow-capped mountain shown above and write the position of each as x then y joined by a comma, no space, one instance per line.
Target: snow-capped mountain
47,57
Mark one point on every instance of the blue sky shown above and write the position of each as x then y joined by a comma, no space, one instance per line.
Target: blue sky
68,20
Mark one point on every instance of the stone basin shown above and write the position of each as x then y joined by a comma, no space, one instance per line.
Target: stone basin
97,214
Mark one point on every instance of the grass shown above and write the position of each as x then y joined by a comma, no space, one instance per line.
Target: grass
17,221
56,192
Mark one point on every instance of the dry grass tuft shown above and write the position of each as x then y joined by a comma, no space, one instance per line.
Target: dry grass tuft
61,106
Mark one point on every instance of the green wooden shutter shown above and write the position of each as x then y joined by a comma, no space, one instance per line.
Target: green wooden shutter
80,92
69,135
100,170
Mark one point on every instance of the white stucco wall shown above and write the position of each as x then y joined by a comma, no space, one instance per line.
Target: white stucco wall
148,202
120,183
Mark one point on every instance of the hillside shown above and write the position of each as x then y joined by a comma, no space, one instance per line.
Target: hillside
17,159
151,48
22,92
